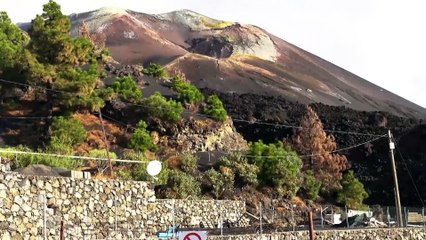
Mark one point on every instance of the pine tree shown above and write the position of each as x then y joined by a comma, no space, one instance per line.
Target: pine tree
12,44
57,61
311,140
352,193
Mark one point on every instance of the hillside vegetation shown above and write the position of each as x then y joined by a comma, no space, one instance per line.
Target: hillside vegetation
68,80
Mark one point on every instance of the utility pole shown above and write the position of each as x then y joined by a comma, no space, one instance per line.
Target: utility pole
311,225
395,180
111,171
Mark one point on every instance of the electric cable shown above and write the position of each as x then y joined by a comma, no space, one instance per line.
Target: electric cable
71,156
316,155
203,115
23,117
409,173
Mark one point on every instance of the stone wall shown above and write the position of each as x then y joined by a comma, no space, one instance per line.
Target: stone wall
352,234
190,213
96,209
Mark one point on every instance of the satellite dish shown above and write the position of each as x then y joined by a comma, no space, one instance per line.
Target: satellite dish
154,168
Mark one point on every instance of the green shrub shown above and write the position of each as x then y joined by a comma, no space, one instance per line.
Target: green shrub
187,93
246,173
68,131
182,185
215,108
106,52
141,139
189,163
352,193
155,70
158,106
279,166
101,153
216,181
220,182
127,89
311,185
24,160
64,162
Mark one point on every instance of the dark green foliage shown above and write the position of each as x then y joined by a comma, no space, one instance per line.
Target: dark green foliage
56,61
215,108
155,70
189,163
279,166
311,185
79,86
220,181
246,173
49,34
12,43
51,40
352,193
127,89
141,139
188,93
182,185
68,131
158,106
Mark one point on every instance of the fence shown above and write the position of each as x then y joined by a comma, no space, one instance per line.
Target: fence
327,216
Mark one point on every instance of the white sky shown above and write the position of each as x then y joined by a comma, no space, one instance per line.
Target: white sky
383,41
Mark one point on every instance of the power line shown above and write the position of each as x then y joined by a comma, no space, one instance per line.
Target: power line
28,85
127,125
298,127
409,173
71,156
144,161
203,115
24,117
315,155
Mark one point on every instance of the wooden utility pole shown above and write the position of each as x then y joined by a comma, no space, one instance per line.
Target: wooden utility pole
111,171
311,226
395,180
62,236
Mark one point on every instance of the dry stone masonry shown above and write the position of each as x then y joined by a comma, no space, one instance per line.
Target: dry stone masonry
32,206
97,209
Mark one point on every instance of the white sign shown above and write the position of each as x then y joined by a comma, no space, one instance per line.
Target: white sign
193,235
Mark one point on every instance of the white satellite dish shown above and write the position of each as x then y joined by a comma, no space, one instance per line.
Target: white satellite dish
154,168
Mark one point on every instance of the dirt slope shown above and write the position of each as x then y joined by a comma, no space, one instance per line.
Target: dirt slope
232,57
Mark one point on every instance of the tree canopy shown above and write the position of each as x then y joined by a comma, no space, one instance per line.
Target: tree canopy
215,108
279,166
52,59
158,106
127,89
187,93
352,193
327,167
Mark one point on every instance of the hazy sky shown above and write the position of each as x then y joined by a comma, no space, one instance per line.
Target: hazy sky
383,41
